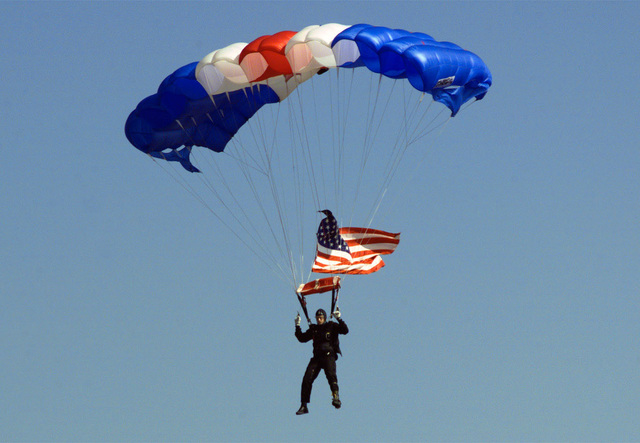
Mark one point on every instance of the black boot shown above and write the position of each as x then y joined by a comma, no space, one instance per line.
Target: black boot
303,409
336,400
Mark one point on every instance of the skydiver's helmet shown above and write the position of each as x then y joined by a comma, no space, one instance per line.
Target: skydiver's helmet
320,312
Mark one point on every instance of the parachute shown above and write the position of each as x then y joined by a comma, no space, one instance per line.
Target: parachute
209,104
205,103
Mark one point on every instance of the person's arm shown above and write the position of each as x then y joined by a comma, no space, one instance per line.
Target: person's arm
302,337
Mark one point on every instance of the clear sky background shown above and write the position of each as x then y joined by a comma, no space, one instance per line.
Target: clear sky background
509,312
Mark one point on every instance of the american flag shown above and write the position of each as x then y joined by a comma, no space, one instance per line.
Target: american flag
351,250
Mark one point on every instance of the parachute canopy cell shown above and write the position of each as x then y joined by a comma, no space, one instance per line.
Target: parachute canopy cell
205,103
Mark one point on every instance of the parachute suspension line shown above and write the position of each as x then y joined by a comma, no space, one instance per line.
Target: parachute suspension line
242,165
182,182
265,147
284,226
429,127
213,190
309,151
467,104
383,113
303,170
379,197
224,203
174,175
254,164
330,158
303,140
396,153
342,165
402,142
342,122
371,132
432,126
241,161
246,221
259,135
376,207
426,152
337,140
268,147
371,109
339,101
303,165
412,125
295,185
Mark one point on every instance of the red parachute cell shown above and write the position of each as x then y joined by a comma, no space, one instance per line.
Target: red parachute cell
264,57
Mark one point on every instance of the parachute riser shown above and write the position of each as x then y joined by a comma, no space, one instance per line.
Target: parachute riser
334,300
303,303
334,303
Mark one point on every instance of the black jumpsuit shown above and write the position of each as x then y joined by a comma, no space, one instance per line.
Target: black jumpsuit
326,346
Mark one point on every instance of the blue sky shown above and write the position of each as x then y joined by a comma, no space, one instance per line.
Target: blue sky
509,312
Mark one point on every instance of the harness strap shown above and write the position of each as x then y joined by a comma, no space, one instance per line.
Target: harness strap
334,299
303,303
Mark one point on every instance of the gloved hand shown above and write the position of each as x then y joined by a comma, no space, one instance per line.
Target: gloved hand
336,314
298,319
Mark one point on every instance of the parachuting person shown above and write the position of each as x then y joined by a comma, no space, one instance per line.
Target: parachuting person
326,348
